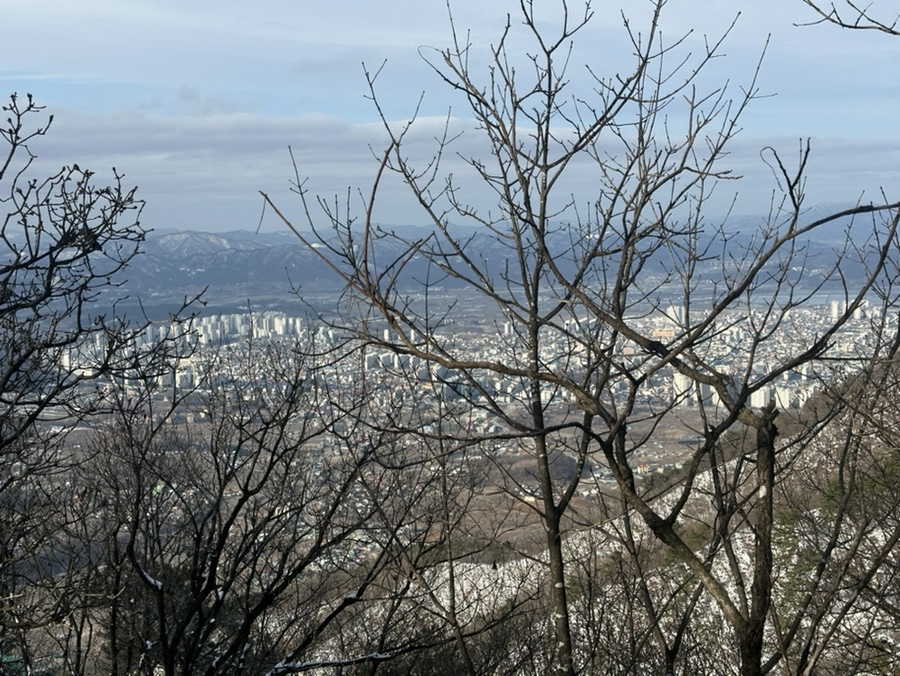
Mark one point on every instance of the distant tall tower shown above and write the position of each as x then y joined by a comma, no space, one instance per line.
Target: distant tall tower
683,389
835,309
676,314
762,397
709,395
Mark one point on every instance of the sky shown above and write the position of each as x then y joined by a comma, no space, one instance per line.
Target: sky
197,103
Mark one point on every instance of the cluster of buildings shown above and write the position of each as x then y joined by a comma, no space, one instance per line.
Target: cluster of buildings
218,329
194,340
749,347
746,347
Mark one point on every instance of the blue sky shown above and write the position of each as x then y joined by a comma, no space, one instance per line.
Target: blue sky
197,102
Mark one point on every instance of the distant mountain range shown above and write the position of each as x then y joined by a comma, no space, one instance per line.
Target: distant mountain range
269,269
231,268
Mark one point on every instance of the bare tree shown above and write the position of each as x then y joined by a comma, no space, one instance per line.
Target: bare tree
265,519
850,14
257,509
64,244
630,315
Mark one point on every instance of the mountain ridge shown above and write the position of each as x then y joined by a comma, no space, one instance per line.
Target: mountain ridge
273,267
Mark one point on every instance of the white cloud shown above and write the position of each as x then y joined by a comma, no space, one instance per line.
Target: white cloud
197,102
206,171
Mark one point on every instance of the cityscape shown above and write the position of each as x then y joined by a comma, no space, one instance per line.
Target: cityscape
543,349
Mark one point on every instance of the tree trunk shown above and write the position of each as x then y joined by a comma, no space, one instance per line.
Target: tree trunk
751,640
559,605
